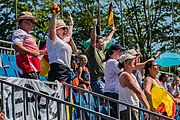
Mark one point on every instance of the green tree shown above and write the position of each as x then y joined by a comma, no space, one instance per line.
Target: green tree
148,25
138,19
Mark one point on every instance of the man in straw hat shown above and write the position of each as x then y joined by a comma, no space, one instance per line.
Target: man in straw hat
25,46
60,46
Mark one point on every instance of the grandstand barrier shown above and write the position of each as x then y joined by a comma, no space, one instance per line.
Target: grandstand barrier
6,47
34,99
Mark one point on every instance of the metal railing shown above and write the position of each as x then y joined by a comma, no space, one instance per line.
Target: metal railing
6,47
68,101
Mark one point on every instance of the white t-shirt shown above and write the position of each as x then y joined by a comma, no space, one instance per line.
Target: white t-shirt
59,51
128,96
22,37
111,74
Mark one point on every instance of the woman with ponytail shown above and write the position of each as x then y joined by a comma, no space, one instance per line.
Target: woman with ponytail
111,73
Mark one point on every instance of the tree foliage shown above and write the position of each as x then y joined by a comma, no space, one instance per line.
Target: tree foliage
147,27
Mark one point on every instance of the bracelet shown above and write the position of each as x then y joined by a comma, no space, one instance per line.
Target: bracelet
56,10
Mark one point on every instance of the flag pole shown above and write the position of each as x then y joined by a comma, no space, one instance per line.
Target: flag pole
61,9
99,20
16,12
122,24
174,42
149,25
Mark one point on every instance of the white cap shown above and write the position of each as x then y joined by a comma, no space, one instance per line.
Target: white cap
126,56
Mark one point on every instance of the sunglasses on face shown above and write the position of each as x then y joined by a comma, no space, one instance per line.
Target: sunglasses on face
64,28
156,65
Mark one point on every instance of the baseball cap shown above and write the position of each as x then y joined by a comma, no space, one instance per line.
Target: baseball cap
117,46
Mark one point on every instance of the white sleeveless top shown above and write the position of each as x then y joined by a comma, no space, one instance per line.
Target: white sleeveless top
128,96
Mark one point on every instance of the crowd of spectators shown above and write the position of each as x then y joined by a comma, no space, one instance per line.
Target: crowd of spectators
118,73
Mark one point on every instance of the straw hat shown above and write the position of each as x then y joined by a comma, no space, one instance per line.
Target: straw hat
61,24
26,15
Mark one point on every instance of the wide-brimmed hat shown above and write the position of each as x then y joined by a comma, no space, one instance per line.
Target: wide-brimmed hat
126,56
116,47
26,16
61,24
132,52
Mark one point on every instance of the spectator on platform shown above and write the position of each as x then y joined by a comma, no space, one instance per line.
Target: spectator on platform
27,52
173,87
60,46
163,78
177,72
136,72
151,81
95,54
111,74
129,88
83,73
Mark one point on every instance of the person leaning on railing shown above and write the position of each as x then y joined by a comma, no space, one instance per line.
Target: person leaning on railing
129,88
159,99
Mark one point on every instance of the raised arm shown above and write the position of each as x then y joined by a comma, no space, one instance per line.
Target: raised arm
141,65
2,115
69,34
71,23
93,35
109,37
73,45
52,27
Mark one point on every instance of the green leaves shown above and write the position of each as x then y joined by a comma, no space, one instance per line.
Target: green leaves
133,22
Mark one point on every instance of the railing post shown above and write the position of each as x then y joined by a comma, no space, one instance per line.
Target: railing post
12,98
129,112
25,101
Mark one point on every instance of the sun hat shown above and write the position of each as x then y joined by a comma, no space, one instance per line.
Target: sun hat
26,15
61,24
178,69
117,46
126,56
133,52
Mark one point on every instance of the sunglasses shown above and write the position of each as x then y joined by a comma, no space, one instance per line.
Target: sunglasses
64,28
156,65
